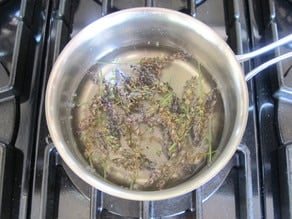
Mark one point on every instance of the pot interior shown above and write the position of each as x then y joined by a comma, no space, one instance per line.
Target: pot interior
165,165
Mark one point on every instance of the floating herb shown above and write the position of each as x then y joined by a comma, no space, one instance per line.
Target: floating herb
209,139
104,167
172,148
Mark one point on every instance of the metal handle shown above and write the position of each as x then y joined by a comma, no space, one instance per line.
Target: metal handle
250,55
267,64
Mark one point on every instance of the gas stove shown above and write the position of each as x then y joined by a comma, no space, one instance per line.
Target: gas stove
36,183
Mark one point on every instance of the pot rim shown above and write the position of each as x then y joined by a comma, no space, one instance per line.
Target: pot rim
190,184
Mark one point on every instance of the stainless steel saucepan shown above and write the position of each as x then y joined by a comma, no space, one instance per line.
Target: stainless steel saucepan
142,28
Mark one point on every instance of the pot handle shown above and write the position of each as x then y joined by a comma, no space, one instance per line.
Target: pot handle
250,55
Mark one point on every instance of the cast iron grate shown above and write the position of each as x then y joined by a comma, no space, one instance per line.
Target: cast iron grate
56,188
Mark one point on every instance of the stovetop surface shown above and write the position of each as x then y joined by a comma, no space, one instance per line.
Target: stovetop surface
36,183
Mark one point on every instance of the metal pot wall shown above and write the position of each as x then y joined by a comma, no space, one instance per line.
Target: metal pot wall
143,27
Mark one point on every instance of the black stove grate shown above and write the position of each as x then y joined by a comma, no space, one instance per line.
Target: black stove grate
20,23
36,183
230,186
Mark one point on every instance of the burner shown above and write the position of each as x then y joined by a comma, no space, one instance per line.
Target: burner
4,76
8,122
8,26
285,160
